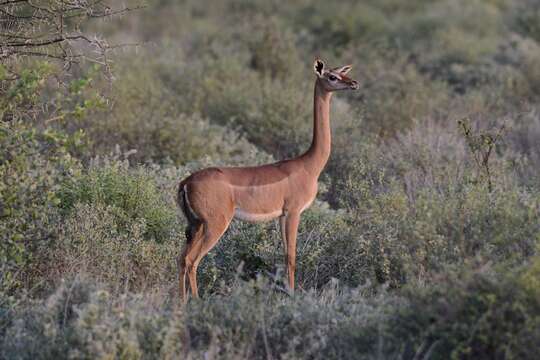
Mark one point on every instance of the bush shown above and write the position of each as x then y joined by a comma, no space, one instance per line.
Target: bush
131,195
395,94
526,19
33,164
30,180
84,320
92,243
468,314
418,204
473,315
275,114
147,117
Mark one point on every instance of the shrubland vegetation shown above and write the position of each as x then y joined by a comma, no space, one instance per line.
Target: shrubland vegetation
423,244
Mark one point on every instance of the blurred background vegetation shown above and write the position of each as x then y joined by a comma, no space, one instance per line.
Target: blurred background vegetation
423,244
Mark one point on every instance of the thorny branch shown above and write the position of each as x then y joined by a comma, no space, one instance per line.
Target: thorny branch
52,29
481,146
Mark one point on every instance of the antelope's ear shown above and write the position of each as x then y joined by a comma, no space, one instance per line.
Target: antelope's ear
318,66
343,70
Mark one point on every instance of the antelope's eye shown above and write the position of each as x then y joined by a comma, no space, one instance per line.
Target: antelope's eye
332,78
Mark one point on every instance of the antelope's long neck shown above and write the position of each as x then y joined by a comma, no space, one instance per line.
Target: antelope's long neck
318,153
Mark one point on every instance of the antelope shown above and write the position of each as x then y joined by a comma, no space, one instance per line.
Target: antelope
212,197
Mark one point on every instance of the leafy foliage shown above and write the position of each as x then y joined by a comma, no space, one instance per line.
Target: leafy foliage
468,314
130,196
33,164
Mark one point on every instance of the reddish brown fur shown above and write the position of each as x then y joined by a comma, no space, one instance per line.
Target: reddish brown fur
210,197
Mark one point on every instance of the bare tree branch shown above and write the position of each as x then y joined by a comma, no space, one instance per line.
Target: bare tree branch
11,2
52,29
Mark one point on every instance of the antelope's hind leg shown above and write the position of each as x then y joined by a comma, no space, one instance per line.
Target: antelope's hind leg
202,244
211,204
193,230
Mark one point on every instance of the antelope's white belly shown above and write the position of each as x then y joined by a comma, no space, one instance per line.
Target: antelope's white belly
256,217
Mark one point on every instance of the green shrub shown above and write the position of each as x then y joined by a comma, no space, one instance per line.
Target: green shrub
131,195
467,314
416,206
253,320
531,277
273,113
148,118
273,50
30,175
93,243
473,315
396,94
526,19
34,161
405,238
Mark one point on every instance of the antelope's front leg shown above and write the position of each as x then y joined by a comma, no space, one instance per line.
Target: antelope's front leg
291,229
283,227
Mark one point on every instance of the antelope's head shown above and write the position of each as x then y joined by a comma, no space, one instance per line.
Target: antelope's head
334,79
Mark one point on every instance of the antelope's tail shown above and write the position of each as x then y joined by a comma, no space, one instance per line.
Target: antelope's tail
183,202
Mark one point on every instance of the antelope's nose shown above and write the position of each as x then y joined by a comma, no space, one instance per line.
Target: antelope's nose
354,85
